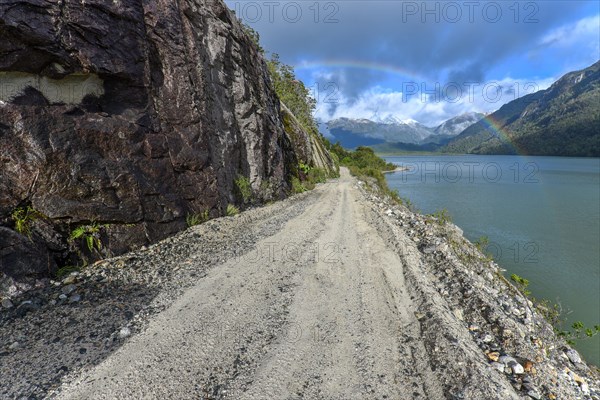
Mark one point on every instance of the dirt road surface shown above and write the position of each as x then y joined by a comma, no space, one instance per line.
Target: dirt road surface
318,309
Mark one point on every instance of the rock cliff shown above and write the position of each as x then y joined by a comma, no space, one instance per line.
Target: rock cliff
125,117
308,146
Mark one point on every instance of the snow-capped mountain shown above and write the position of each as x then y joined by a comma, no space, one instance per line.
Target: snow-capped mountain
454,126
390,129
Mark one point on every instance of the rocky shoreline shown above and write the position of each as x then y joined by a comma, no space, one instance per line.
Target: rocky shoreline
398,169
48,336
511,334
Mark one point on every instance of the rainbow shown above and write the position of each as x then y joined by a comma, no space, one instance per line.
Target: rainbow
492,125
391,69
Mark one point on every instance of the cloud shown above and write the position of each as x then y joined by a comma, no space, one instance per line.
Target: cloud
368,50
574,41
431,109
428,40
574,33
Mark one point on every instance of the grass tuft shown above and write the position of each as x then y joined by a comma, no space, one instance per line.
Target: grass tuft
231,210
197,218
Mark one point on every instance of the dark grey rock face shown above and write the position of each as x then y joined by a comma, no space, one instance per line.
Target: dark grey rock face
21,260
133,114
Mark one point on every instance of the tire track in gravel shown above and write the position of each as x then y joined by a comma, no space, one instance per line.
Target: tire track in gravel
124,291
319,310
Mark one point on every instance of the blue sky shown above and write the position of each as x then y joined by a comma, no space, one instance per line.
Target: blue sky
427,61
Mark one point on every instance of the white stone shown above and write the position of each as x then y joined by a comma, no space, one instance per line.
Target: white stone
573,356
458,313
124,332
517,368
584,388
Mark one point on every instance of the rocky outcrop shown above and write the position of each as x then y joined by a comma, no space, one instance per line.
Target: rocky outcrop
128,115
308,146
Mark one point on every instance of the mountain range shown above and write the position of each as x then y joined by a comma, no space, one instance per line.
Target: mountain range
563,120
392,132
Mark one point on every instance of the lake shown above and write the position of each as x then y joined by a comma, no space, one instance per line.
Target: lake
541,215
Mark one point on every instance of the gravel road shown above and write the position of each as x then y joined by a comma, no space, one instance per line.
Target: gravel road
323,296
317,310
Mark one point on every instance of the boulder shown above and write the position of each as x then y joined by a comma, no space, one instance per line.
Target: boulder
22,262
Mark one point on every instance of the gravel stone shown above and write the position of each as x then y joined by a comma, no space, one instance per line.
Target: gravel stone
68,289
6,303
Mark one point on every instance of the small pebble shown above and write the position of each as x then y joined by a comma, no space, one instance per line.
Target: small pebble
74,298
517,368
68,289
124,332
534,395
6,303
498,366
69,280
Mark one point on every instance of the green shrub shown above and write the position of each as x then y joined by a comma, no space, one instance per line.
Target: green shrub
579,332
296,96
197,218
23,218
304,167
253,35
395,195
553,314
442,216
521,283
482,243
243,186
361,158
89,234
408,204
231,210
363,163
66,270
297,186
317,175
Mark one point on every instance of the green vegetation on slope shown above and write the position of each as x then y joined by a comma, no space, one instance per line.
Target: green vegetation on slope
364,163
293,94
563,120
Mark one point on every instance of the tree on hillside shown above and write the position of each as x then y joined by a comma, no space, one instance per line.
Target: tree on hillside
293,93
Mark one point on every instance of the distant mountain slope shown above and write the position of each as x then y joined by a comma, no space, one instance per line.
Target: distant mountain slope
453,127
359,132
563,120
391,132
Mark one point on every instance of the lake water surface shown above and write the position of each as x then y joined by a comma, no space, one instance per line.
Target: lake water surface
541,215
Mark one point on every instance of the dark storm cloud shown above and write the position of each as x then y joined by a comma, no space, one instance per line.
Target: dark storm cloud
455,41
